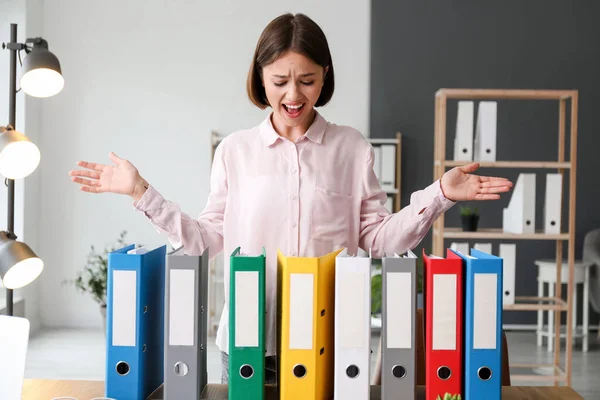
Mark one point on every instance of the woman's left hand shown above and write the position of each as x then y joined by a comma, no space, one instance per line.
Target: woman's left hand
459,184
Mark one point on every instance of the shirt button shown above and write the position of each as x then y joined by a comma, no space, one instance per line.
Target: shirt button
293,253
293,197
294,171
293,224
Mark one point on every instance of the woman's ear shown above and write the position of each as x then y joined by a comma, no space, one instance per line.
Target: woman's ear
325,74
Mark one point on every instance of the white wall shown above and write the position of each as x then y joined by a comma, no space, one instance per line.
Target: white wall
149,80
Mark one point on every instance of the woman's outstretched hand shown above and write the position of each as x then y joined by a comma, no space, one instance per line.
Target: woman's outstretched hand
121,178
459,184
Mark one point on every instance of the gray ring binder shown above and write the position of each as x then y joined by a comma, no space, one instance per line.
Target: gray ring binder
181,369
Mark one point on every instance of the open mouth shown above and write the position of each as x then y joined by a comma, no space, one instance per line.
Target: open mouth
293,110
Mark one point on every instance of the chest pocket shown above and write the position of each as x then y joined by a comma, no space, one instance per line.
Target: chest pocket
331,217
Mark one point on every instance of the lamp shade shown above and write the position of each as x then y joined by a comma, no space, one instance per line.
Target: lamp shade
19,266
41,75
19,156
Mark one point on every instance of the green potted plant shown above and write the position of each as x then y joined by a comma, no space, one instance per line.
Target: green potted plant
470,218
449,396
93,278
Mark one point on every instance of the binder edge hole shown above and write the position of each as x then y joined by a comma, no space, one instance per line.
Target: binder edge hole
486,372
444,369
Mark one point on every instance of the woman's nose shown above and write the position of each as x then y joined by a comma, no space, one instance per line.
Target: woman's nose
293,90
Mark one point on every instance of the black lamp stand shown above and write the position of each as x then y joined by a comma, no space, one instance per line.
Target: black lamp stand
13,47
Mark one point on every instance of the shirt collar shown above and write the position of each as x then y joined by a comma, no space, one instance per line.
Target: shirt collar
315,132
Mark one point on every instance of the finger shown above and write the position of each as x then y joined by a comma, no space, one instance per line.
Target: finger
114,158
494,179
497,183
89,174
89,165
85,182
496,189
487,197
90,189
469,167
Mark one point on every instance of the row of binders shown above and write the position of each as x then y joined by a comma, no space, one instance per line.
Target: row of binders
157,325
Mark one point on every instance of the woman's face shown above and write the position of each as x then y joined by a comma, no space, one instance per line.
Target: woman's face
293,84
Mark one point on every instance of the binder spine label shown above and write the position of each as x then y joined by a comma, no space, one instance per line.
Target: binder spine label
301,311
484,311
246,308
353,298
181,307
124,310
444,311
399,306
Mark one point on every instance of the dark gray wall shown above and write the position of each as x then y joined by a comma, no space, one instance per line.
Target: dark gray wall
419,47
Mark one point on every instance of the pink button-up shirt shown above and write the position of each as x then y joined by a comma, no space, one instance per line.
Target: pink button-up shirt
306,198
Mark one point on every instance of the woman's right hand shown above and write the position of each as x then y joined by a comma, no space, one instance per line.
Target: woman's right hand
122,178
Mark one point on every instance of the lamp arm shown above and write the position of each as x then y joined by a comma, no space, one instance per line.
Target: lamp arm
37,42
14,46
7,235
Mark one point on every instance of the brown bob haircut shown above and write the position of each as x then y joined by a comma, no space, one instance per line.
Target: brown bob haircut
285,33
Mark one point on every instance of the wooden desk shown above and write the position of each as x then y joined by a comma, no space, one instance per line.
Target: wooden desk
35,389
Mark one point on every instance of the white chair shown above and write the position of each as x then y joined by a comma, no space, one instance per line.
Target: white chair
591,256
547,275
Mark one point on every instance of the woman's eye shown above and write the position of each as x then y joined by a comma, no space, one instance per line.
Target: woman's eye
308,83
279,84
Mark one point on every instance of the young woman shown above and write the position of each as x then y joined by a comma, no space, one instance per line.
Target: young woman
295,182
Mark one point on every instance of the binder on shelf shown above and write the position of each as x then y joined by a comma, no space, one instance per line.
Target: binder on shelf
352,326
485,136
508,254
443,295
483,326
553,203
519,216
388,166
186,306
135,322
463,141
389,203
462,247
247,325
377,162
485,247
399,307
14,339
306,314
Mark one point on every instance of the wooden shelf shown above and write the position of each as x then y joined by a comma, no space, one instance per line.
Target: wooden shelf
567,107
557,373
511,164
505,94
377,141
497,233
532,303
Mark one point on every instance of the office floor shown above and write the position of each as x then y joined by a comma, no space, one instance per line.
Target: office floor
79,354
